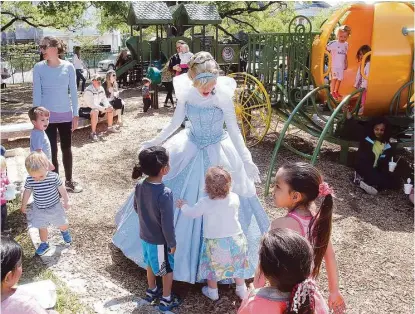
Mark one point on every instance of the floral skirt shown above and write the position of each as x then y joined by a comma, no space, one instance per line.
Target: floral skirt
223,258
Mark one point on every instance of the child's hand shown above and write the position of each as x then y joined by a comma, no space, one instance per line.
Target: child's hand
172,250
66,205
180,203
336,302
23,209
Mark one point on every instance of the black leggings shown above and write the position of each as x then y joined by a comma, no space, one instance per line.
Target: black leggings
65,135
79,77
3,217
169,87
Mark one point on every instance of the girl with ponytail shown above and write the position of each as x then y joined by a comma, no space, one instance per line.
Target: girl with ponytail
297,186
285,260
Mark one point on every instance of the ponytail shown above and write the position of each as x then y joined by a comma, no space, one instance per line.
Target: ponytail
320,227
302,298
137,172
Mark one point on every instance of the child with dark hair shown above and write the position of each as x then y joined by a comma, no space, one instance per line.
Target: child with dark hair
153,203
13,300
146,94
297,186
224,247
360,81
285,259
373,155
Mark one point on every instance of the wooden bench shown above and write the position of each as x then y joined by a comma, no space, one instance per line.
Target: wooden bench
22,130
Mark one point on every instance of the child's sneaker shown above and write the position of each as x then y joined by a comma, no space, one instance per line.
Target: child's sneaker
66,235
357,178
151,295
42,249
167,305
210,293
94,137
368,189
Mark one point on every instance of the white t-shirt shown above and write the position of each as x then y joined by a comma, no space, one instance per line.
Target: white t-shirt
338,53
220,216
185,57
77,63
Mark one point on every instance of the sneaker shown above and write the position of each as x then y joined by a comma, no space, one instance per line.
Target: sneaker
210,293
166,105
120,124
111,129
151,295
368,189
94,137
73,187
335,95
166,305
66,235
42,249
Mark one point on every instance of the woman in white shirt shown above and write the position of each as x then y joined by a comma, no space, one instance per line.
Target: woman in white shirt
224,249
79,68
95,106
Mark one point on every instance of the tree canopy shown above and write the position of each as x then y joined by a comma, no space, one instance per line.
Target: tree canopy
56,14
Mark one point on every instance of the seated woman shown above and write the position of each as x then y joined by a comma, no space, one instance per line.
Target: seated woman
113,95
374,153
96,105
15,300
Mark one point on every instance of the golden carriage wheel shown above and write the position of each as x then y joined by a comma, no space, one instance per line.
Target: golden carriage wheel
252,108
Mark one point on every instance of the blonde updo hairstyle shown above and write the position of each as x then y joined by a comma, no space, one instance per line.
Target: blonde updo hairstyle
202,62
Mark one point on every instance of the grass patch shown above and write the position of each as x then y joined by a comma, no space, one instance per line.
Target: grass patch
34,269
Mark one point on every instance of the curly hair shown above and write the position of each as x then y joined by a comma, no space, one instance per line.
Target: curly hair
218,182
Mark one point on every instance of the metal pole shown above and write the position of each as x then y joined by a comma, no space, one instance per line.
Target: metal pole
141,51
193,37
216,48
204,38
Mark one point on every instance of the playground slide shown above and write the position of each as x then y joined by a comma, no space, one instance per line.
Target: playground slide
379,26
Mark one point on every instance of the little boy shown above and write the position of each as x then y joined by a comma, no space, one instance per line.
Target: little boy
47,207
39,141
338,50
146,93
153,203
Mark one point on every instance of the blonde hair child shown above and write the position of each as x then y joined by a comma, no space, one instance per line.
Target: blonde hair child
221,229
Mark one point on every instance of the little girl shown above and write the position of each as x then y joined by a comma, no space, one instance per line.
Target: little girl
224,247
360,81
285,259
338,50
185,56
4,182
297,186
13,300
373,156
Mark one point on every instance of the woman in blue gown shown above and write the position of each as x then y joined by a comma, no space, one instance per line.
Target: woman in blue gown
206,100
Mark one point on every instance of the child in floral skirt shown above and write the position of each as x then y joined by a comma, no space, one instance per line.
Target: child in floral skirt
224,248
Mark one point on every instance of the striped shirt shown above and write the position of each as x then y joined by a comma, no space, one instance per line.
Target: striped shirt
45,192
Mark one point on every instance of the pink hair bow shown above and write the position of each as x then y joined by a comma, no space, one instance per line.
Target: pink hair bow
324,189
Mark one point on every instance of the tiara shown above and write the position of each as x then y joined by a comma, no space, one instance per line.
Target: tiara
205,75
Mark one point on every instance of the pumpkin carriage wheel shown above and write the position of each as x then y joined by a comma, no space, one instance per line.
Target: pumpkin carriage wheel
252,108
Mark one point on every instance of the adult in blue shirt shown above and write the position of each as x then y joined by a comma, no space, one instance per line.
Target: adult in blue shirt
52,78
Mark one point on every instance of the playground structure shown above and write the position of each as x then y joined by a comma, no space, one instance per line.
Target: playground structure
167,20
286,79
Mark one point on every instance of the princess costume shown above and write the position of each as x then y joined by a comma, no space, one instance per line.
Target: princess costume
202,144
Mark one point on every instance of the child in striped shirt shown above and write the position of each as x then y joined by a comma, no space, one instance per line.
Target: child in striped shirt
47,207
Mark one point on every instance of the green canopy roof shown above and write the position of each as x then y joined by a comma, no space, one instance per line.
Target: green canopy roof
149,13
195,14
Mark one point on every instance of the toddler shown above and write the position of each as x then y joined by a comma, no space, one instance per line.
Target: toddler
360,81
14,300
39,141
338,50
297,186
224,248
47,207
146,93
153,202
185,56
285,260
4,182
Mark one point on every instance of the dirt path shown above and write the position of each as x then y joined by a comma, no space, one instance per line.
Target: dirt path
373,236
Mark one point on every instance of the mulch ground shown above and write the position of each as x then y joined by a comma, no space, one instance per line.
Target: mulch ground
372,235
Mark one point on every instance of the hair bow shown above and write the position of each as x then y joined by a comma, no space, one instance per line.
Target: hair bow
324,189
300,293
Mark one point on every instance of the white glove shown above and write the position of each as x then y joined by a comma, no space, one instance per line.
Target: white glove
252,171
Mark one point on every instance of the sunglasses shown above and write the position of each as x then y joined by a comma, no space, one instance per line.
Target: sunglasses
44,47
